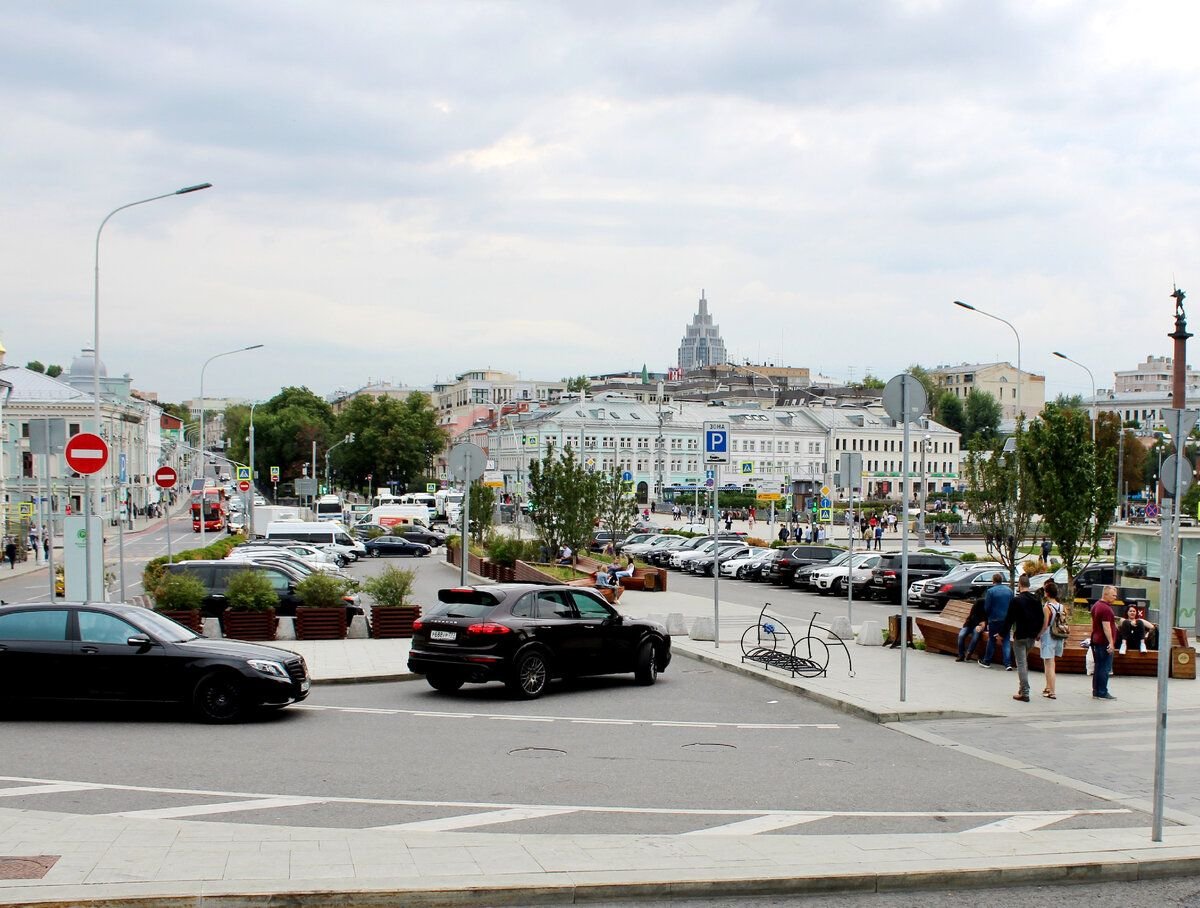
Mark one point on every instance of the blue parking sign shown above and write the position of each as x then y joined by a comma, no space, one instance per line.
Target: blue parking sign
716,442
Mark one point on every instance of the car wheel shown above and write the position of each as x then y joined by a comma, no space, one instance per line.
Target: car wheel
530,676
341,561
444,683
375,553
839,587
646,671
219,699
740,574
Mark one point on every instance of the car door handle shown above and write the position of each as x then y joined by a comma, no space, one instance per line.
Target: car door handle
90,650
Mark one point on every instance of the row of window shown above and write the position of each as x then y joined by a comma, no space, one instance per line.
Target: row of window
890,444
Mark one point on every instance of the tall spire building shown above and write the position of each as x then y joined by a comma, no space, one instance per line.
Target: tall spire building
701,345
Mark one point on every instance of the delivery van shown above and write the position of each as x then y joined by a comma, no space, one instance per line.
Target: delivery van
328,534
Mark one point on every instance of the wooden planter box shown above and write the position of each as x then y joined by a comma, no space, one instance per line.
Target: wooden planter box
505,574
188,618
249,625
321,623
393,623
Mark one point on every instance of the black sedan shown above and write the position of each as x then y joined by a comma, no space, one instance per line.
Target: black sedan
423,536
382,546
125,653
525,634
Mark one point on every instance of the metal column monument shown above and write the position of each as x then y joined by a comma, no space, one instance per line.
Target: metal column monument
466,463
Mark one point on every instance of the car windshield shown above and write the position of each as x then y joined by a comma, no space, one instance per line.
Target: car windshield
865,560
164,628
842,559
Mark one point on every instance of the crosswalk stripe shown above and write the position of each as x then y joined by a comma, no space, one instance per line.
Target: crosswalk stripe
1142,733
197,810
471,820
755,825
1148,747
50,788
1023,822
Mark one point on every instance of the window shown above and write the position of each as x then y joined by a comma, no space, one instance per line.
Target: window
24,430
551,605
524,607
73,429
40,625
589,606
97,627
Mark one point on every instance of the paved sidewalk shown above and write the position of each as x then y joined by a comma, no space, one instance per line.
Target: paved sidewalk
143,859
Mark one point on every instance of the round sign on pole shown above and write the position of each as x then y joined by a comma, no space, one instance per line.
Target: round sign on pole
464,459
86,453
165,477
1167,476
244,485
894,398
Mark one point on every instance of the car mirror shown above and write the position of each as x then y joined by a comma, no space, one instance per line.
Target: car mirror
139,640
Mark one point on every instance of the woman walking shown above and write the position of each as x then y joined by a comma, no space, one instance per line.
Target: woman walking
1050,645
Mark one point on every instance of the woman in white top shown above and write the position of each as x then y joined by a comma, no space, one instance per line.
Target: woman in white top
1051,647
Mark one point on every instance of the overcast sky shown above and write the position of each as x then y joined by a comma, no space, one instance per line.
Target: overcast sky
405,191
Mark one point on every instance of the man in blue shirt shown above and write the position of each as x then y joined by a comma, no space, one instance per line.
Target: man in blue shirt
995,604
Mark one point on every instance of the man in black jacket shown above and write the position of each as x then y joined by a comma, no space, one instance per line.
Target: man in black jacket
1024,621
972,629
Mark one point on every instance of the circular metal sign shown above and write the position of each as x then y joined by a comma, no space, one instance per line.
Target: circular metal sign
86,453
1167,476
165,477
466,461
244,485
904,398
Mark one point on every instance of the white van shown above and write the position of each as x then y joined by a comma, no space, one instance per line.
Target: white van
326,533
330,507
390,515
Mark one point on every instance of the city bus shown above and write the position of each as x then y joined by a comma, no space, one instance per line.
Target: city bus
215,505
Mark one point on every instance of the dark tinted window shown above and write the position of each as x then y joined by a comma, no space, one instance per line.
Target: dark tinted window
524,607
98,627
553,605
50,624
590,606
202,572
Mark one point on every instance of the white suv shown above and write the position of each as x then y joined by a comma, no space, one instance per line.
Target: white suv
833,579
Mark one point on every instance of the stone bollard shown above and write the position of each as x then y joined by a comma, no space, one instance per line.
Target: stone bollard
870,633
676,626
702,629
840,629
212,628
286,629
358,628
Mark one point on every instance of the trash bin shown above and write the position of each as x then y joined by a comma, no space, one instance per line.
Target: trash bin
650,581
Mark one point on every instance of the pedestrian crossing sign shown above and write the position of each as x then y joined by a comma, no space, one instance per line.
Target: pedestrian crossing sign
747,466
243,473
826,515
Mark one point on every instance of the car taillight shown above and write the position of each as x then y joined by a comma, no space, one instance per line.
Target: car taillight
488,629
945,588
418,624
889,573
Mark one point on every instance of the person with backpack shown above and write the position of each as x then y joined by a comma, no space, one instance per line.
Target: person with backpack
1056,628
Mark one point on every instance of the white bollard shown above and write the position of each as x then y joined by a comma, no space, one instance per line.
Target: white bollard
358,628
703,629
212,628
840,629
870,633
286,629
676,626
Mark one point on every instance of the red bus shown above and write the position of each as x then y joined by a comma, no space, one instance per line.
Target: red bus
216,509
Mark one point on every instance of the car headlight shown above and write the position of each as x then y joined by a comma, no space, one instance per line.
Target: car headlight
268,667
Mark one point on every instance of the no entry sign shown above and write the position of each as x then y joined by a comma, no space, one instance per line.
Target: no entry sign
244,485
165,477
86,453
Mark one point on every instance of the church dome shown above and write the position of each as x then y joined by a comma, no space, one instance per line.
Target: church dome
83,365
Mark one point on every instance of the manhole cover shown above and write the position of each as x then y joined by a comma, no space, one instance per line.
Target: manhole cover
827,763
537,753
26,868
705,747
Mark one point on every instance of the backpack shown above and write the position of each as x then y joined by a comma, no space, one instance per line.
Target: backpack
1060,627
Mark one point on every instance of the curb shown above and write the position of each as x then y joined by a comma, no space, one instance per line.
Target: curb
367,679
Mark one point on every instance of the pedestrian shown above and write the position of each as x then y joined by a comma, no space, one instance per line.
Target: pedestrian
1025,620
1053,637
996,602
751,518
10,552
1103,642
33,542
879,537
728,521
1045,550
46,545
972,628
783,533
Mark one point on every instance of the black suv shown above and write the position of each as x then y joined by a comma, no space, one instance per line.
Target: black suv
784,565
524,634
215,576
885,579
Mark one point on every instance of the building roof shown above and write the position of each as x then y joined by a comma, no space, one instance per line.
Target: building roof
37,387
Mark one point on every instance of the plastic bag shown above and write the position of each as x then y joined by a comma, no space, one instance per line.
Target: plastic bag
1089,662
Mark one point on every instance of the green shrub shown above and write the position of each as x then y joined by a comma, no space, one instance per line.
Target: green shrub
251,591
153,572
970,556
944,517
178,593
321,590
376,532
391,588
504,550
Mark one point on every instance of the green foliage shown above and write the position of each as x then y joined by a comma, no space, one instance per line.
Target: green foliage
566,499
54,370
505,550
943,517
618,505
1069,401
154,571
179,411
578,383
1134,457
284,429
483,510
871,382
251,591
981,418
928,382
390,588
178,593
35,366
394,441
948,410
969,557
321,590
1005,517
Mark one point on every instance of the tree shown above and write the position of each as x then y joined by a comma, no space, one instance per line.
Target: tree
1072,401
993,478
1132,458
578,383
871,382
618,505
54,370
483,509
395,441
565,499
285,428
1069,483
948,410
928,382
35,366
179,411
981,418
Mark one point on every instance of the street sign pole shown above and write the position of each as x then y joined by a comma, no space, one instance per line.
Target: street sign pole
904,550
48,524
716,561
87,547
465,551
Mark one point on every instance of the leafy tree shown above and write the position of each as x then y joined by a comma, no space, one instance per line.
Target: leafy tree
928,382
948,410
483,510
578,383
871,382
395,441
284,429
1006,517
1132,459
35,366
1068,483
54,370
179,411
981,418
565,499
1072,401
618,505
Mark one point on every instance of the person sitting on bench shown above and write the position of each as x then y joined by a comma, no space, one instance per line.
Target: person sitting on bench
564,555
626,571
1134,630
973,629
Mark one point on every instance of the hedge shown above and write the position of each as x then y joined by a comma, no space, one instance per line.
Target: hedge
152,574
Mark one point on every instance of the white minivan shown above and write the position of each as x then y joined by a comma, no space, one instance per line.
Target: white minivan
325,533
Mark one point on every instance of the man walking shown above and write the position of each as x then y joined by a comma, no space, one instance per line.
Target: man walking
1103,641
995,602
1025,621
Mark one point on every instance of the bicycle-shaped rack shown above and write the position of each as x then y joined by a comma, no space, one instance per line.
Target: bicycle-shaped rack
764,647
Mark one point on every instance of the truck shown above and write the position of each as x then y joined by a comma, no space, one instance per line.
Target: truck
265,514
330,507
448,503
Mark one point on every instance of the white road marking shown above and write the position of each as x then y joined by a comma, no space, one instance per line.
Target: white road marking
472,820
1024,822
576,720
1140,733
197,810
755,825
49,788
1148,747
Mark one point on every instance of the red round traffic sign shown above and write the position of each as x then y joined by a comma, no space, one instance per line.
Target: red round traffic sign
166,477
86,453
244,485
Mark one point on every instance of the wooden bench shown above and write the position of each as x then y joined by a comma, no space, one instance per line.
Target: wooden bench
941,630
638,581
612,594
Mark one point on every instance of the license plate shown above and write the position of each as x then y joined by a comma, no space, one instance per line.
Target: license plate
442,635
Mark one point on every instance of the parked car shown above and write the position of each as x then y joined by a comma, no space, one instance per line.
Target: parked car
1096,574
833,578
968,584
798,556
638,549
600,541
214,576
633,539
395,546
525,634
684,555
271,553
423,536
661,554
736,567
125,653
802,577
703,564
885,579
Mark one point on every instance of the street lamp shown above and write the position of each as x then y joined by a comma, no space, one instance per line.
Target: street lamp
924,484
1092,402
203,455
774,435
349,439
1020,413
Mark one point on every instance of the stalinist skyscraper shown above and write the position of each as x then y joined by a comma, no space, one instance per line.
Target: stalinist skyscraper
701,345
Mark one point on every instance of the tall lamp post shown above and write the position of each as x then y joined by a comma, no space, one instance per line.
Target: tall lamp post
774,434
201,446
1092,402
924,489
349,439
